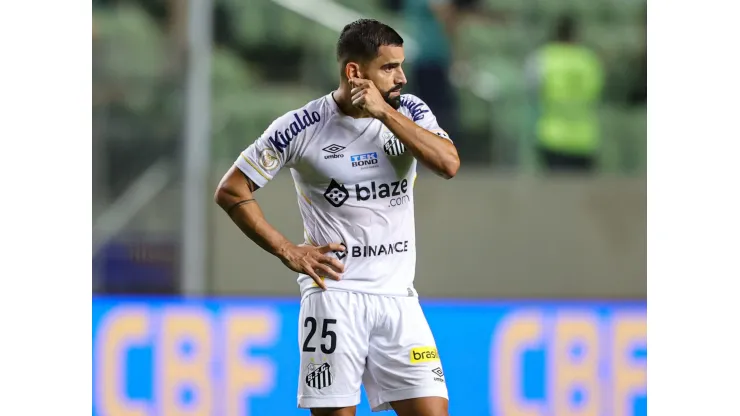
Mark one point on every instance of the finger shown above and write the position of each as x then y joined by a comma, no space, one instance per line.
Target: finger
360,87
360,102
331,247
358,91
358,95
315,277
333,262
359,82
326,271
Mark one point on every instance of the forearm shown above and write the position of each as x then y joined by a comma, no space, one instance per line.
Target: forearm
434,152
251,221
235,196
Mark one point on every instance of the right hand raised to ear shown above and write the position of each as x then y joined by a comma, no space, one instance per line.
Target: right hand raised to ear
313,261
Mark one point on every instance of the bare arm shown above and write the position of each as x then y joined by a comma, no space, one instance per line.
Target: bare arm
235,196
436,153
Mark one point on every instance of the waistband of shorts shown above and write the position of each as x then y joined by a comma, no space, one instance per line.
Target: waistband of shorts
311,290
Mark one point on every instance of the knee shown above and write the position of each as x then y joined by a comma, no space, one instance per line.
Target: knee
333,411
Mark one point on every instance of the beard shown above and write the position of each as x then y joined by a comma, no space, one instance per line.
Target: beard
394,102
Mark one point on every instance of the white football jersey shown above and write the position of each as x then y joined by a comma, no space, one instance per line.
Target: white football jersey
355,185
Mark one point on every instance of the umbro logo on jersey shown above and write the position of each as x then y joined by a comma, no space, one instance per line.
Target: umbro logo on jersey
333,149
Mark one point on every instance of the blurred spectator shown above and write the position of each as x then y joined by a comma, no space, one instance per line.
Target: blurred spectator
566,80
433,24
638,90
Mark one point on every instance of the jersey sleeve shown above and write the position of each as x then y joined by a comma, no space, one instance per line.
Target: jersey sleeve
276,148
422,115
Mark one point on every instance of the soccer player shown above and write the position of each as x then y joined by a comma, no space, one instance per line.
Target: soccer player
353,156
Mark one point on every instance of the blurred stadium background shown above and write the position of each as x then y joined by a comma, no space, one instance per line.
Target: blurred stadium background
533,278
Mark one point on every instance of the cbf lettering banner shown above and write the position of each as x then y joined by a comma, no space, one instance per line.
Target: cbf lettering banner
160,357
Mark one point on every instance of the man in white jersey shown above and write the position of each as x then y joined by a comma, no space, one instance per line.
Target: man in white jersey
353,156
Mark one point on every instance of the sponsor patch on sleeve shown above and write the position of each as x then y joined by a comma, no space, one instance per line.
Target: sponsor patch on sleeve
268,159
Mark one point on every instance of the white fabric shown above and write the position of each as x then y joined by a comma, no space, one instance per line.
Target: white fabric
354,339
354,181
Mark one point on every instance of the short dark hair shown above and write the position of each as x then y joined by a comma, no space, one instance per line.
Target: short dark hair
361,39
566,28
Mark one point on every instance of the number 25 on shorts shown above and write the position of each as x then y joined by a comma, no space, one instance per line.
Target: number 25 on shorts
328,336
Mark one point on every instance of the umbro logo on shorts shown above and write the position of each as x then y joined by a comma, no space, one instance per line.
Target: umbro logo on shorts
440,375
319,376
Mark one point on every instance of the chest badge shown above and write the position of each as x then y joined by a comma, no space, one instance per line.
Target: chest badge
391,145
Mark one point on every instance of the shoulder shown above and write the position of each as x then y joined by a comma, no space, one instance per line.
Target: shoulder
308,116
298,124
414,107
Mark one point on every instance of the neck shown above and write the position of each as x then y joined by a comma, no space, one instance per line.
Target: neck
343,97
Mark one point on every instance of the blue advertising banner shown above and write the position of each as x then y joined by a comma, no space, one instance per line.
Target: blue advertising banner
239,357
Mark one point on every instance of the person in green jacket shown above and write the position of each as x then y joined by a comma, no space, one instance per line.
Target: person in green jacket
566,79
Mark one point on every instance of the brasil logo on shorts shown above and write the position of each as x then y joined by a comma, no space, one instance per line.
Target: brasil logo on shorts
319,376
423,355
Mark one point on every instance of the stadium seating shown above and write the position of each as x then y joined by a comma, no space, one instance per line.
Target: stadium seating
250,90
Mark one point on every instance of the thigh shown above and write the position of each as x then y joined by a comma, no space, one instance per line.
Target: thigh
333,339
334,411
421,406
403,362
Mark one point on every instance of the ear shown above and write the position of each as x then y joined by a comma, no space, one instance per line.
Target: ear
352,70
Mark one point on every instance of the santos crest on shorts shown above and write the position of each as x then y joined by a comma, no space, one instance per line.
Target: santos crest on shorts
355,185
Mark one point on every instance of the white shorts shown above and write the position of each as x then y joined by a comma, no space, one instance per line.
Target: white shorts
350,339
